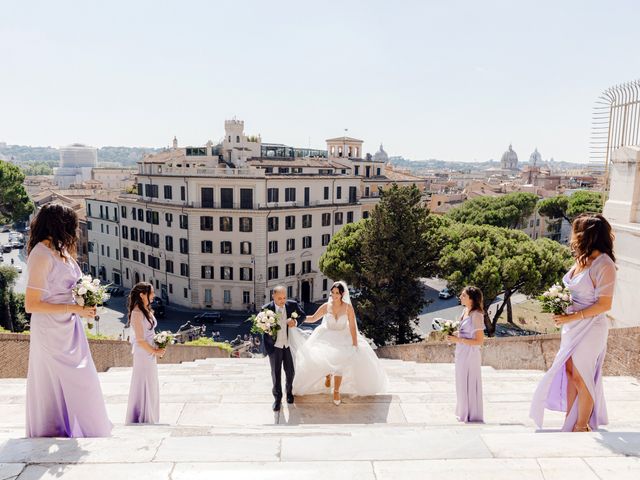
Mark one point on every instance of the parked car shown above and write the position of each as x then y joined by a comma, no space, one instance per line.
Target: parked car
445,293
212,317
158,307
7,247
17,244
18,268
115,291
6,228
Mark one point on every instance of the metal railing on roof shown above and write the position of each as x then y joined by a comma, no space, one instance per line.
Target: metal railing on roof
615,123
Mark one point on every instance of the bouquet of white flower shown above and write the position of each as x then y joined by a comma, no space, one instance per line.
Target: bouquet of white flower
447,327
267,321
162,339
89,292
556,300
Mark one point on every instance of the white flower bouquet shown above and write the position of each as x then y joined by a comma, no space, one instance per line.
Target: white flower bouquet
445,327
556,300
89,292
267,321
162,339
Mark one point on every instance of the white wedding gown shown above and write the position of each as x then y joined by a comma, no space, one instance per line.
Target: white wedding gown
329,350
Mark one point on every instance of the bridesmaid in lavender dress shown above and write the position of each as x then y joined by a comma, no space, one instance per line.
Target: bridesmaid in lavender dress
144,392
64,398
468,359
573,384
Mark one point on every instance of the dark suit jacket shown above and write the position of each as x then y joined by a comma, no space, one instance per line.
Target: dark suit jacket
290,307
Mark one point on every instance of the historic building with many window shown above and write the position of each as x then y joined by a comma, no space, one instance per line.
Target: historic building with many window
219,226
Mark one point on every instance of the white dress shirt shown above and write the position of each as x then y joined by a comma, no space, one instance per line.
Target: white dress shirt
282,341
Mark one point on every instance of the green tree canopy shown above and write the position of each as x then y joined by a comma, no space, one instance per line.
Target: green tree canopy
500,262
570,206
506,211
38,168
15,204
343,257
8,276
384,258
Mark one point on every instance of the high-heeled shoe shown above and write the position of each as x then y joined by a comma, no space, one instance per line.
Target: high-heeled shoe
338,401
578,429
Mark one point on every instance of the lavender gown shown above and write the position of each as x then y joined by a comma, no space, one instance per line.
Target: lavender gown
64,398
144,392
468,376
585,341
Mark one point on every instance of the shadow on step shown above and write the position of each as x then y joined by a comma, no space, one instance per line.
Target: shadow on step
361,410
52,451
621,443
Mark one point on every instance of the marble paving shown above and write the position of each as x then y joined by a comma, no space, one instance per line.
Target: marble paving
216,418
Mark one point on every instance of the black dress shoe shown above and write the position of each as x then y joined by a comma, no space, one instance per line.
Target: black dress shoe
276,405
290,398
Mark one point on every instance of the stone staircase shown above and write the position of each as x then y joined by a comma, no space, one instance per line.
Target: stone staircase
217,420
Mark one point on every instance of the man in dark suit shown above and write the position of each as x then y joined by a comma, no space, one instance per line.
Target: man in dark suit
278,348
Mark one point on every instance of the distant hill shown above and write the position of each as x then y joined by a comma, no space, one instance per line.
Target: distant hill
25,154
124,155
435,164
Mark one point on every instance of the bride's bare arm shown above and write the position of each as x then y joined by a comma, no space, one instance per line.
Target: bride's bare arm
321,312
352,325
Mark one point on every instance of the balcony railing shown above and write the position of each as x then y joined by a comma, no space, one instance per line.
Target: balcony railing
213,171
271,205
242,206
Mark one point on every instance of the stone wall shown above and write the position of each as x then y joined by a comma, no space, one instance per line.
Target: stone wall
535,352
14,354
623,212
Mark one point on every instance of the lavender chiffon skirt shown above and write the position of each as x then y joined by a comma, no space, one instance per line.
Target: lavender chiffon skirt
585,342
469,406
144,392
64,398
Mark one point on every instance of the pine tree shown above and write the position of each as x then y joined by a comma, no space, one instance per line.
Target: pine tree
384,257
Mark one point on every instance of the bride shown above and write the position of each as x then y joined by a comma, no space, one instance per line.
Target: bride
336,349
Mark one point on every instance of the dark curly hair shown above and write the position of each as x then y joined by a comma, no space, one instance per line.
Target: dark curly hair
58,224
591,231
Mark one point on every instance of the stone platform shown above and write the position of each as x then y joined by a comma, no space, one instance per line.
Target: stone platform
217,420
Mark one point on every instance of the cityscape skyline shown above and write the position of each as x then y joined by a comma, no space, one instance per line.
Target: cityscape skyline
455,82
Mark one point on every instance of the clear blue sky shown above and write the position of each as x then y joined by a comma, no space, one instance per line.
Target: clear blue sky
455,80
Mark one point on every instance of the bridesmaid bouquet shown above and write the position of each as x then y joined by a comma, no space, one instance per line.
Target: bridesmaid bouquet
450,327
556,300
89,292
267,321
445,327
162,339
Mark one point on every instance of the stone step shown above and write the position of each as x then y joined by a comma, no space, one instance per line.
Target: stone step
593,468
216,419
156,445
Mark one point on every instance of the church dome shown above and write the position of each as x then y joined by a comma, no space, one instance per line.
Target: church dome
509,159
381,155
535,158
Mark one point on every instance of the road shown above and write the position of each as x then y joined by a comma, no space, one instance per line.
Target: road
112,316
113,320
19,259
449,309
